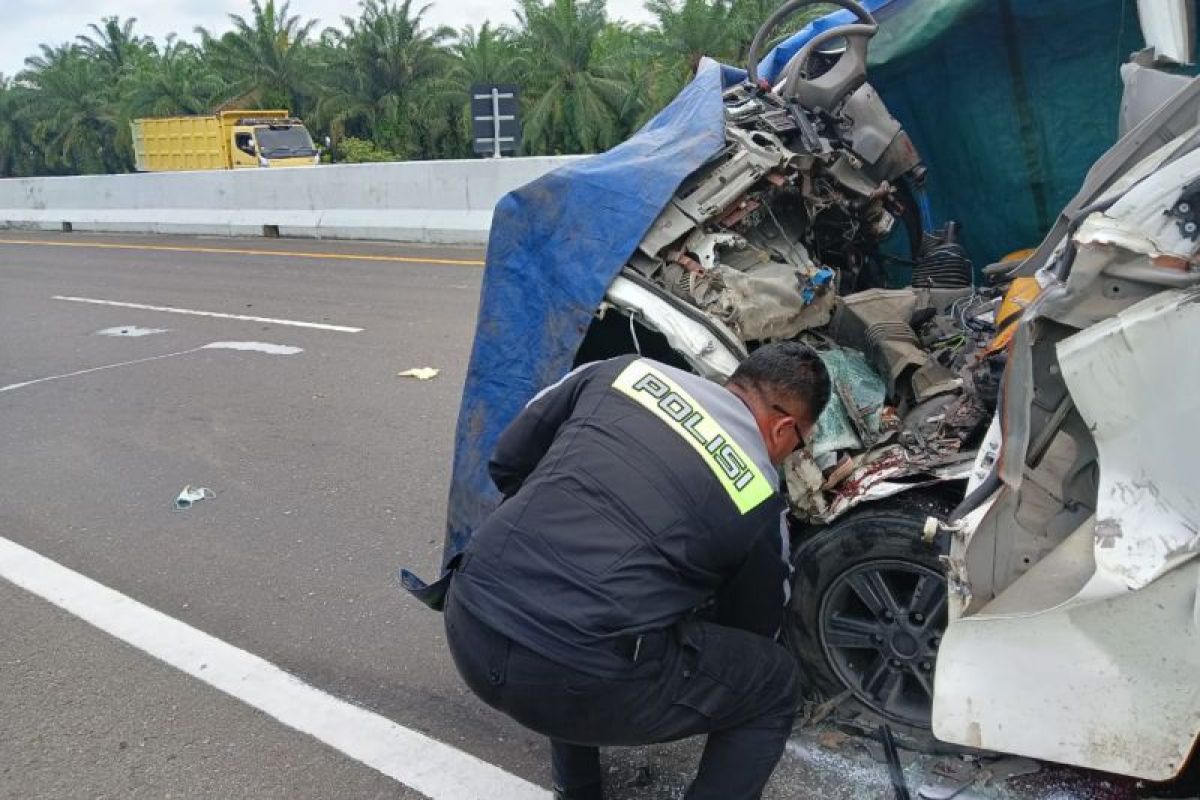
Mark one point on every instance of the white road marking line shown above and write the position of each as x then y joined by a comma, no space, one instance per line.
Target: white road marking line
321,326
258,347
437,770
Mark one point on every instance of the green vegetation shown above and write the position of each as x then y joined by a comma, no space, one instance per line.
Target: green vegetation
383,85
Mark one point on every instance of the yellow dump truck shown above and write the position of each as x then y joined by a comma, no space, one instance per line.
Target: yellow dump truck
226,140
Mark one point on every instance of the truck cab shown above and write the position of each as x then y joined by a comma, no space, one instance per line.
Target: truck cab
267,140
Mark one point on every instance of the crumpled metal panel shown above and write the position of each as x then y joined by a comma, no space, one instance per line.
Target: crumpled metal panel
1134,381
1107,685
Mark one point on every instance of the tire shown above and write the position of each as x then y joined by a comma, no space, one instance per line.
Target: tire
867,614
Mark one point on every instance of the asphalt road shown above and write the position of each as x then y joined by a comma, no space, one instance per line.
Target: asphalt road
329,472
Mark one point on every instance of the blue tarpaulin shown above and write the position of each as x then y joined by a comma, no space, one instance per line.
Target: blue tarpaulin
557,243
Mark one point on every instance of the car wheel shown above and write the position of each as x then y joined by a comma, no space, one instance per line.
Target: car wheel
868,610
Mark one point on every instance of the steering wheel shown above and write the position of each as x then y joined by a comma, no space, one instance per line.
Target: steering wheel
847,74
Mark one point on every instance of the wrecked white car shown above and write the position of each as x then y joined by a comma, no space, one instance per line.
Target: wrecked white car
1067,628
993,528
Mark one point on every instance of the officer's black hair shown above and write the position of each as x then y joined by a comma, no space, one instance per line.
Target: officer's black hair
786,369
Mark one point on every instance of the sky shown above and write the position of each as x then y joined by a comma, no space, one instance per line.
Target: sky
28,23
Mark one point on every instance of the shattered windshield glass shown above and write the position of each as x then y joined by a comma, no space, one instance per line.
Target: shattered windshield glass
284,141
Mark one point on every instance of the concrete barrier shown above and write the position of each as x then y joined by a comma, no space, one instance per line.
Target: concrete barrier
447,202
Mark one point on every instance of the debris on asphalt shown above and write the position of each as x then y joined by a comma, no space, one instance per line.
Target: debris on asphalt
643,777
190,496
420,373
833,739
835,766
943,789
1011,767
813,715
952,779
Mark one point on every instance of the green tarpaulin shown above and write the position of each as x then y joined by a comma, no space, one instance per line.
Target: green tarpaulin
1009,102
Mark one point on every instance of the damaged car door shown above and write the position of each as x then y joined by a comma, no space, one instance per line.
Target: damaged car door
1074,610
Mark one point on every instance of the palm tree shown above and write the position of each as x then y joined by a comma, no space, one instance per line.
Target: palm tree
49,57
115,43
175,82
264,59
389,72
487,55
12,132
746,16
572,96
635,55
72,115
688,30
19,153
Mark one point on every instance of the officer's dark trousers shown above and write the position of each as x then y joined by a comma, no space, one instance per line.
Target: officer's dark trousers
740,688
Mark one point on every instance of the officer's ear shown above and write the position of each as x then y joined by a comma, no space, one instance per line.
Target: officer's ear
779,435
781,427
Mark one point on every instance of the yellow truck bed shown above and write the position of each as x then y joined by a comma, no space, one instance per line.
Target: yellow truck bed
178,143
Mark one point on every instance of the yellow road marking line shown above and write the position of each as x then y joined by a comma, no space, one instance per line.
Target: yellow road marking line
247,252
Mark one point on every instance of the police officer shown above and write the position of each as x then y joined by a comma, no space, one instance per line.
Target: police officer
630,587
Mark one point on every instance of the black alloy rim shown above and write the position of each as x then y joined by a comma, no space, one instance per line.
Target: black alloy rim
881,624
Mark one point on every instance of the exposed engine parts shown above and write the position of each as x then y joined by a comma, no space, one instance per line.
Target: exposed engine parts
779,236
943,262
790,212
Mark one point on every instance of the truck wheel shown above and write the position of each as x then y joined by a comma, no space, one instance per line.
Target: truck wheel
867,614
